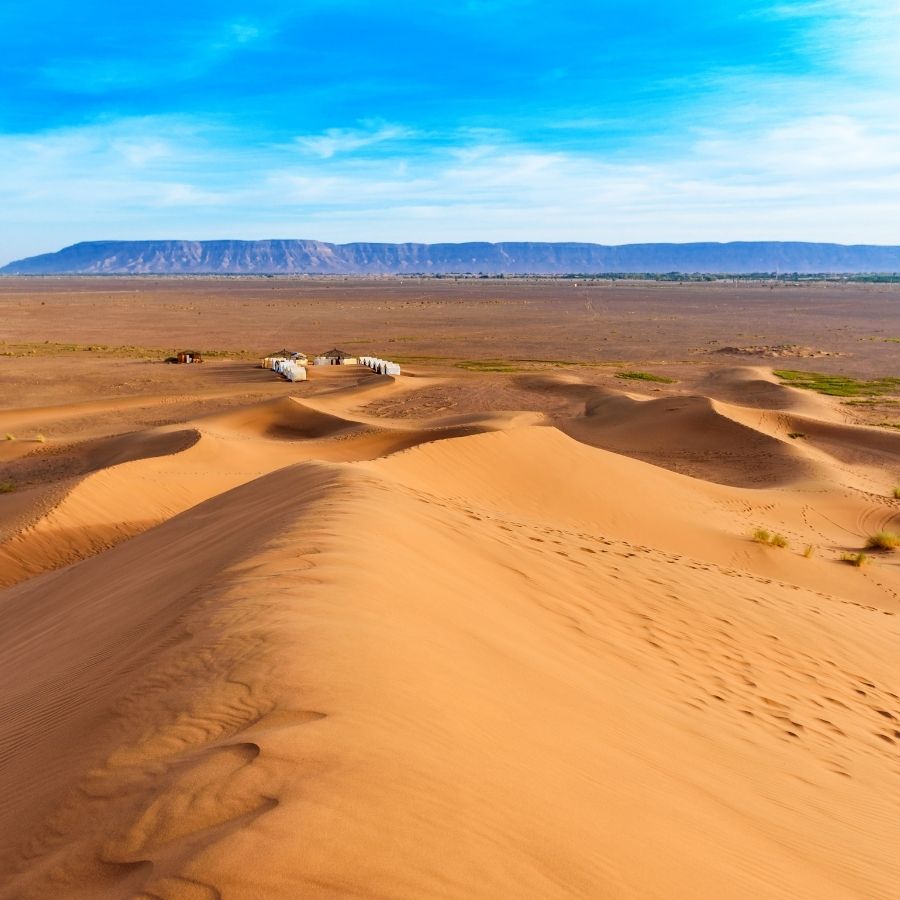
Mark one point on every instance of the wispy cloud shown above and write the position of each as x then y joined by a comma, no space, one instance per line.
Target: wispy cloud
859,36
347,140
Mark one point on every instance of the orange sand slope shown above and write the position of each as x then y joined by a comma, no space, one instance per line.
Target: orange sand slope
293,651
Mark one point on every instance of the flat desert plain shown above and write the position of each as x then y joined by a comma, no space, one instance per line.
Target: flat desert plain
496,627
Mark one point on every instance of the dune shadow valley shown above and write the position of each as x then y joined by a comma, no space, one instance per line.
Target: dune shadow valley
599,597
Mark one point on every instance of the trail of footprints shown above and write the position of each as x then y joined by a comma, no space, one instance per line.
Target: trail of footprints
833,714
813,705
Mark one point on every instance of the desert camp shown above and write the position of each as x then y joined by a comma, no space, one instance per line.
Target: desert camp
293,365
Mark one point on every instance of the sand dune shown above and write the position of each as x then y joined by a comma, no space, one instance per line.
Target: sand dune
307,652
861,455
109,490
693,435
738,443
757,387
287,418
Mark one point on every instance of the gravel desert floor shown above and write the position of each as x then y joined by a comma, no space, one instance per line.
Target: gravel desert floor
578,605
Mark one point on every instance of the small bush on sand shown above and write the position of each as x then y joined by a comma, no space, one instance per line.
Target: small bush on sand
808,552
883,540
6,487
10,437
796,434
764,536
41,439
855,559
897,493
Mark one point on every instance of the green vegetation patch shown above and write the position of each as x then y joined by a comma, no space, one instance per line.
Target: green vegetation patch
406,358
6,487
838,385
490,365
525,364
645,376
872,401
129,351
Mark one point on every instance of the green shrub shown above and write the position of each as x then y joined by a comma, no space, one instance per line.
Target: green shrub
779,540
6,487
808,552
897,493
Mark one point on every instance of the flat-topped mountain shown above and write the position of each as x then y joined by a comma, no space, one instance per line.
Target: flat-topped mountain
318,257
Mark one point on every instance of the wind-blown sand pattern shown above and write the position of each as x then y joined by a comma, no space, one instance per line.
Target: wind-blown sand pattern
295,648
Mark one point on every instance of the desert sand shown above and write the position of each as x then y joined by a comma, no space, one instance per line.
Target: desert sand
450,634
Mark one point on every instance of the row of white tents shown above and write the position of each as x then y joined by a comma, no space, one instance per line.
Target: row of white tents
294,369
381,366
289,368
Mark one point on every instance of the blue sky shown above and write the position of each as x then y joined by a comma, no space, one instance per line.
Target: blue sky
471,120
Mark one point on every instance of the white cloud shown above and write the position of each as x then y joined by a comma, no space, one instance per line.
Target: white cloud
859,36
818,177
346,140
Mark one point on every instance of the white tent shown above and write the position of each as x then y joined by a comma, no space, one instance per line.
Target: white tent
381,366
292,371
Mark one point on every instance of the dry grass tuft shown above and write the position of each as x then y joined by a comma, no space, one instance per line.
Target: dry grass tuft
764,536
858,560
883,540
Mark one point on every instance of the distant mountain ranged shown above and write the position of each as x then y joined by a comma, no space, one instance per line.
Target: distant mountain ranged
320,258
